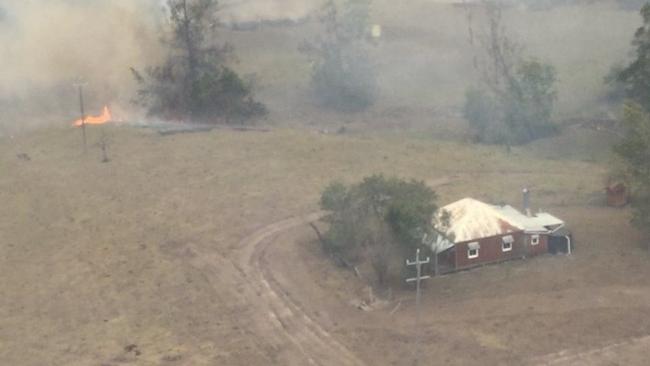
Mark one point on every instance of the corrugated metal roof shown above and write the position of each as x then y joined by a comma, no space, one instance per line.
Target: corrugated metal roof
539,222
470,219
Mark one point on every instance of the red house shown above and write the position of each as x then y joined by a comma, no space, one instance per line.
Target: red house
477,233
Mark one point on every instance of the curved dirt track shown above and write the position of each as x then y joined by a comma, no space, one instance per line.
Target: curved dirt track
316,345
285,332
289,336
614,354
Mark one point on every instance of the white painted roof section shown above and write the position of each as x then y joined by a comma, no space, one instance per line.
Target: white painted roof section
538,223
470,219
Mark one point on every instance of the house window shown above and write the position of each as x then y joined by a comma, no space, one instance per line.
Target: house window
534,240
472,250
506,243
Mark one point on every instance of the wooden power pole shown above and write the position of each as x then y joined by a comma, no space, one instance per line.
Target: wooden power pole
83,116
418,277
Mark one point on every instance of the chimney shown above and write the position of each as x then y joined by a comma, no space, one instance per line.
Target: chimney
526,194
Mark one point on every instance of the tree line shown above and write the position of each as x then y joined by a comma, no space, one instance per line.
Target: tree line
633,150
511,103
195,83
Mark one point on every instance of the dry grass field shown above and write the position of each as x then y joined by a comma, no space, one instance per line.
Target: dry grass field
193,249
143,260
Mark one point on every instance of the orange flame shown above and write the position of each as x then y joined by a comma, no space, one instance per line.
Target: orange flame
96,120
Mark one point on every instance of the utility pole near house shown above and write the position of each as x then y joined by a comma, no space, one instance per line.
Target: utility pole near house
83,114
418,277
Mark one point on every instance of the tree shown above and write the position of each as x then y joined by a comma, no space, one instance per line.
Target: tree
380,220
616,90
342,74
636,76
529,107
514,99
193,83
634,151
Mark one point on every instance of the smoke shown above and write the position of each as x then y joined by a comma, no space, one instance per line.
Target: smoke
247,11
583,42
48,45
423,59
425,56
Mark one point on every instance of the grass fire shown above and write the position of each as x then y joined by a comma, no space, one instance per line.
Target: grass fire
100,119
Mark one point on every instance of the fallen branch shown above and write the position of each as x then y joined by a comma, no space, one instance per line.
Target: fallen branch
320,236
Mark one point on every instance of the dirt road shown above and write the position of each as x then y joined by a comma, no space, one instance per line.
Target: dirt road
296,338
614,354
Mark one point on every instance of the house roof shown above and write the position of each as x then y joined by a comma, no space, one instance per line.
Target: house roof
470,219
538,222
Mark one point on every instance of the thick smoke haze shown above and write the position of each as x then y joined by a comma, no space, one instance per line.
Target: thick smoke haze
423,59
48,45
430,57
45,42
243,11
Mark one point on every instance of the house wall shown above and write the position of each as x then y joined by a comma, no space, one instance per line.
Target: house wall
491,251
538,249
446,261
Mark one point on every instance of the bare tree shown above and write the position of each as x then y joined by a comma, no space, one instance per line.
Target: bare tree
513,100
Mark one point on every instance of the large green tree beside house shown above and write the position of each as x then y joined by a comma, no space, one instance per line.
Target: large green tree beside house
380,221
